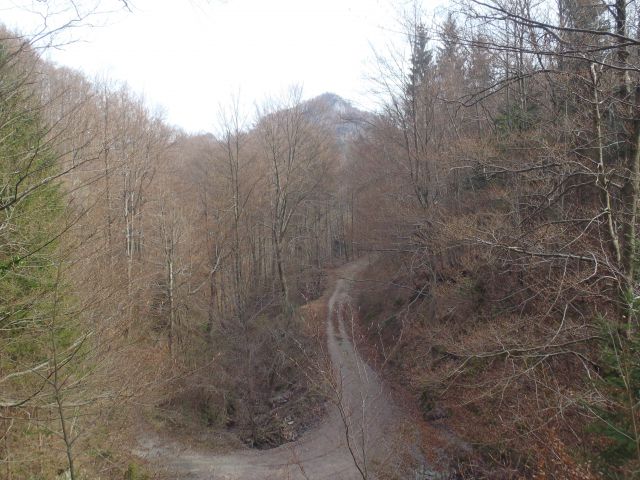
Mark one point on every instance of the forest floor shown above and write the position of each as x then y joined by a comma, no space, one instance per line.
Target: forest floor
365,433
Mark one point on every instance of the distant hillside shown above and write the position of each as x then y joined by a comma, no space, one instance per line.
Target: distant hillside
348,121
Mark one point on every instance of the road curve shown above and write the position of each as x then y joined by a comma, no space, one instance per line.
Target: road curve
363,432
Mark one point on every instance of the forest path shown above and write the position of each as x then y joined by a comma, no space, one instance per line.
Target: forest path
363,432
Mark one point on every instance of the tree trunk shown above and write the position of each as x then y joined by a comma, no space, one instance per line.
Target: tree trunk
284,289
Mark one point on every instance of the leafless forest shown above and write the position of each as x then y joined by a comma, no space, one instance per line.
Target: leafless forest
158,283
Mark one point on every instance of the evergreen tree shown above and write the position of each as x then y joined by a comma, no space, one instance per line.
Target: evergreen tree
421,58
30,207
36,341
619,418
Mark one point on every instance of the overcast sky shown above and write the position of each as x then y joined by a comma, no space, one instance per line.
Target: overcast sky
189,56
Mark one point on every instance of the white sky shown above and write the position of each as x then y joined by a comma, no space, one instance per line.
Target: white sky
189,56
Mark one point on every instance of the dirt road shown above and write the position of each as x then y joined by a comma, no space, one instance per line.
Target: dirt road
361,435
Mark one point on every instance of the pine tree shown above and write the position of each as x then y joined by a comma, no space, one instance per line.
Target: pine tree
35,338
619,418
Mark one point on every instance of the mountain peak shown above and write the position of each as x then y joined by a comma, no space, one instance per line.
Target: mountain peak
332,102
331,98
